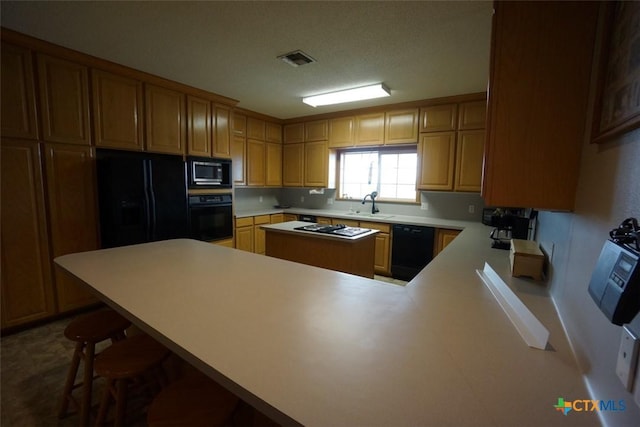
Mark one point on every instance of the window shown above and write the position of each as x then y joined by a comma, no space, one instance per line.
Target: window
391,172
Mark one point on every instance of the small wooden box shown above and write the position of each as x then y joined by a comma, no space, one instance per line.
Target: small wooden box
526,259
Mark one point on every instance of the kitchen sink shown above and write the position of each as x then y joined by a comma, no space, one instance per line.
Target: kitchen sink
369,215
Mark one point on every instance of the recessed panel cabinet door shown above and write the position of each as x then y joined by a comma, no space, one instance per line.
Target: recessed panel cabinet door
274,164
198,127
256,172
238,159
166,122
469,154
64,101
436,153
293,165
18,94
117,111
222,131
27,290
72,215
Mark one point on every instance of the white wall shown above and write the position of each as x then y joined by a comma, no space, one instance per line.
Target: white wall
608,192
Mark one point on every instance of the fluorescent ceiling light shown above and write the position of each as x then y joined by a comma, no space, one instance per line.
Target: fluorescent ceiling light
349,95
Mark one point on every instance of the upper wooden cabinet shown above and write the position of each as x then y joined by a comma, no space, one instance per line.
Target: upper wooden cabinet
239,124
273,132
316,131
165,120
117,111
472,115
401,127
198,127
436,152
541,60
438,118
27,290
469,155
273,159
72,215
293,165
319,165
221,122
64,100
18,94
369,129
293,133
256,129
342,132
256,163
238,159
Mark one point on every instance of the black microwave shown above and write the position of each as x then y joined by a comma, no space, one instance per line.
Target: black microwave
204,172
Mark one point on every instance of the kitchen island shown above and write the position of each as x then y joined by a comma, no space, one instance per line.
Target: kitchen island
349,254
310,346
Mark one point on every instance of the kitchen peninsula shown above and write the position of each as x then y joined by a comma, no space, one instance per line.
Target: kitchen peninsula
347,249
310,346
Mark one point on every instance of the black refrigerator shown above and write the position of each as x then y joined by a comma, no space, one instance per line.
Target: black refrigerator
142,197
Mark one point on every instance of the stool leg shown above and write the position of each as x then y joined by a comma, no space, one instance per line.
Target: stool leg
87,385
71,378
121,402
104,403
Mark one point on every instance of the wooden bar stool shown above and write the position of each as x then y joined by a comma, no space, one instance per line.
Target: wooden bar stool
87,331
132,363
192,401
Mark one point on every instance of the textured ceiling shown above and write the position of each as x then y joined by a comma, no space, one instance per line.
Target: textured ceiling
420,50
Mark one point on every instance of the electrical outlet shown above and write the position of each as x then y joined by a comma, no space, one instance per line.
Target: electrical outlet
329,201
472,208
424,206
627,358
260,199
301,199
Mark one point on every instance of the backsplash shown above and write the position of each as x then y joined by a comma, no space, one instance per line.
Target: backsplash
448,205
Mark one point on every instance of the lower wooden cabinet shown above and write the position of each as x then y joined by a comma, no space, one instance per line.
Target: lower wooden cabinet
259,233
244,234
382,259
443,238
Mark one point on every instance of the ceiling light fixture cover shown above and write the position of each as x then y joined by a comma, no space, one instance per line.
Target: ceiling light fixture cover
349,95
296,58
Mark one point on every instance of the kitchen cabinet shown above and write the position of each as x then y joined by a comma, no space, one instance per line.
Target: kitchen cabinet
443,238
73,216
273,153
369,129
347,222
198,127
277,218
316,131
469,156
319,163
342,132
382,259
259,233
473,115
401,127
289,217
436,154
244,234
221,131
273,132
165,123
27,283
239,124
227,243
293,133
64,100
438,118
117,111
293,165
256,170
323,220
238,159
256,129
541,61
18,101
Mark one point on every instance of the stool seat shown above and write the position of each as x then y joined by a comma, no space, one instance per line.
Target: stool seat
192,401
97,326
126,364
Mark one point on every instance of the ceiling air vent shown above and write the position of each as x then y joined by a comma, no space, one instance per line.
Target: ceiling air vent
296,58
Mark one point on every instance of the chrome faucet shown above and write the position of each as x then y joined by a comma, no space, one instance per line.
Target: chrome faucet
373,196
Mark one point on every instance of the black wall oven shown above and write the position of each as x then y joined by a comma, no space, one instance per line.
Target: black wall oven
211,217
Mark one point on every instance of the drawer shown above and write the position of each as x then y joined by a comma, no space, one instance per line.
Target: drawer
262,219
385,228
244,222
347,222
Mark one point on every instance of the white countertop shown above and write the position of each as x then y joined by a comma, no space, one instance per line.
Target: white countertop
322,348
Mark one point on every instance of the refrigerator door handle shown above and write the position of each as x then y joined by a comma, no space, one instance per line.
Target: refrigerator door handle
149,202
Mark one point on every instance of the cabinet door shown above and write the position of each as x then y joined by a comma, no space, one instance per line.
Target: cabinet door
64,101
436,153
381,260
222,132
72,215
535,132
316,131
438,118
293,165
473,115
274,164
370,129
165,120
238,159
244,238
239,124
469,157
443,238
401,127
27,290
294,133
117,111
198,127
342,132
274,132
256,174
18,94
316,164
256,129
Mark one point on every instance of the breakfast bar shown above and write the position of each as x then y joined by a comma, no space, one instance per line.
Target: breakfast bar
311,346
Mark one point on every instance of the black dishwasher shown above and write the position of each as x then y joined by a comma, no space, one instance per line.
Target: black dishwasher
412,249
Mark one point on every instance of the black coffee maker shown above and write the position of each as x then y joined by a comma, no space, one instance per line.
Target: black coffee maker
508,223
